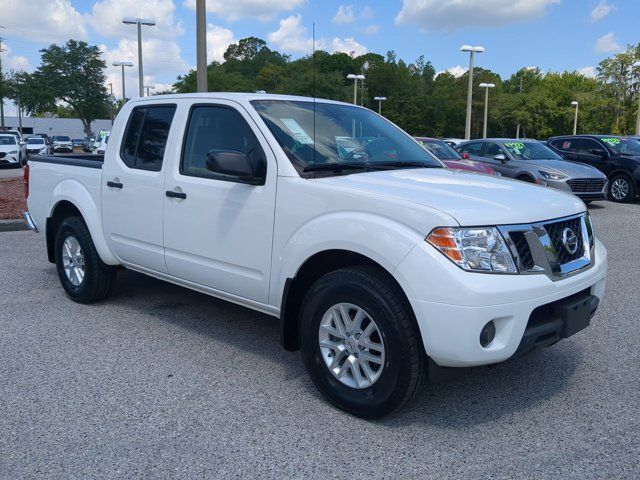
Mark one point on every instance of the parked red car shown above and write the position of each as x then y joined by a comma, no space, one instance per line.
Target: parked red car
451,158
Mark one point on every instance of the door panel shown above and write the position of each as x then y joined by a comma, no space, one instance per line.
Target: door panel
220,234
133,188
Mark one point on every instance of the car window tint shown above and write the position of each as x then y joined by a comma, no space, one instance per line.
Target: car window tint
586,145
146,137
492,150
472,148
564,144
215,128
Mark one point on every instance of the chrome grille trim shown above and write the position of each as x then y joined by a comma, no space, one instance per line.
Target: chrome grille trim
543,251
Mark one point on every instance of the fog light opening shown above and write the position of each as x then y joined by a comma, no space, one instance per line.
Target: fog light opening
487,334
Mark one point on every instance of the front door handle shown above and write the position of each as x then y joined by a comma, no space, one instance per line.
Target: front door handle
111,184
173,194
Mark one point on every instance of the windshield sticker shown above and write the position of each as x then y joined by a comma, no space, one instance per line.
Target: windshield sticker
611,140
297,131
516,145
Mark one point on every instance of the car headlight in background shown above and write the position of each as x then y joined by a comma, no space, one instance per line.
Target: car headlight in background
13,152
553,175
481,249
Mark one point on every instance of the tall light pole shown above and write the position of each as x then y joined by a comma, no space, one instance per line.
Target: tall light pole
149,87
355,78
122,64
637,65
201,46
380,100
139,22
575,118
486,87
111,100
472,51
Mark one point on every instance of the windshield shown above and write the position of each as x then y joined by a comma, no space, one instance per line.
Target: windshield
338,136
623,146
531,151
7,140
61,139
440,149
35,141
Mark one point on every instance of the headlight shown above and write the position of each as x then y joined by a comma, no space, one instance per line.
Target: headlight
474,249
43,150
553,175
13,152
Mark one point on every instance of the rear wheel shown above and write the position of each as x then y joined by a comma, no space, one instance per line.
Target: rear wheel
360,343
526,178
621,189
84,277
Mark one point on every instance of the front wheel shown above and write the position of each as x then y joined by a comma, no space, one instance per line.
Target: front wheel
621,189
84,277
360,342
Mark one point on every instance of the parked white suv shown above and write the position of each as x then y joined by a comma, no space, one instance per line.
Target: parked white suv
374,258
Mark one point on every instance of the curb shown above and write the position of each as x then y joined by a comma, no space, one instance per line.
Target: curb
12,225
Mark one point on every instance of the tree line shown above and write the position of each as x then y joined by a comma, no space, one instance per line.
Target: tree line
71,81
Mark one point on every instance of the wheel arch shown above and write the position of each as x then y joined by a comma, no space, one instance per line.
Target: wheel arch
311,270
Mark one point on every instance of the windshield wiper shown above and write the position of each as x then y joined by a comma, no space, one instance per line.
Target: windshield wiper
401,164
338,167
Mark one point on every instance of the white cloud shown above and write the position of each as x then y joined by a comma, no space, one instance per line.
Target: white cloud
292,36
348,45
47,21
344,15
13,62
218,39
106,18
602,10
588,71
262,10
160,57
608,44
448,15
456,71
371,29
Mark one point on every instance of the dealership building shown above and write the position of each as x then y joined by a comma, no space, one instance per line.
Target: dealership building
71,127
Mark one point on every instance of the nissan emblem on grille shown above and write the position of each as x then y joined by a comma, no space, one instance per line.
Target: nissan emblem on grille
570,240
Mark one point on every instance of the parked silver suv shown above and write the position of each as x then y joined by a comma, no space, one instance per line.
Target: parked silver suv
532,161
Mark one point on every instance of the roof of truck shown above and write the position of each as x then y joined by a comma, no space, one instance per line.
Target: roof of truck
235,96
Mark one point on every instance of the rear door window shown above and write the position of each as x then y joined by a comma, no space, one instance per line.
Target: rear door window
145,137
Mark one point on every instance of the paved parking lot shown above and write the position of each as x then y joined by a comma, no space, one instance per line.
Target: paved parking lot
162,382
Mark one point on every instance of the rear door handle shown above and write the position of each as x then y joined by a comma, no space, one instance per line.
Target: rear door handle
111,184
172,194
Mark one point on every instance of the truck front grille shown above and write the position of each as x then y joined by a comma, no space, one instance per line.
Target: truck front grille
557,231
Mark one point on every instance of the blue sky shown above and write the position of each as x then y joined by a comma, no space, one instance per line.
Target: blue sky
554,35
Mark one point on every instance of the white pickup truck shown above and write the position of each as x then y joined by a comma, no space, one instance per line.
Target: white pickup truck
374,257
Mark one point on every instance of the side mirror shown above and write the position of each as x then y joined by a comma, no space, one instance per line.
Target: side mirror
465,156
598,151
500,157
237,166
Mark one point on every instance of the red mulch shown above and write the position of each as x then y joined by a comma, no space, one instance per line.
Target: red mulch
12,202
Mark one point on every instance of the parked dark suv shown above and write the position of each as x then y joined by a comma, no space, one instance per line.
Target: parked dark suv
617,157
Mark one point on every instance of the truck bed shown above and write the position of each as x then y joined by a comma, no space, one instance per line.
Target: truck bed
74,159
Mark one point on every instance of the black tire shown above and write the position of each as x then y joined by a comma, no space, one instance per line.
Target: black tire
404,371
631,190
526,178
99,278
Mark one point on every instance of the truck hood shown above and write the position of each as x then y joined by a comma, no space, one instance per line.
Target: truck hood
470,198
573,169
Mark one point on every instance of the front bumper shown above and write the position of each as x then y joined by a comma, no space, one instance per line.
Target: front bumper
452,306
9,160
565,187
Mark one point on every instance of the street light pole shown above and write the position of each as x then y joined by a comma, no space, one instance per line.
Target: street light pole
472,51
379,100
111,101
575,118
201,45
355,78
486,87
149,87
139,22
122,64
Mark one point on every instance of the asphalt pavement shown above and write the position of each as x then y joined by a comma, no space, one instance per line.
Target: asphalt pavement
162,382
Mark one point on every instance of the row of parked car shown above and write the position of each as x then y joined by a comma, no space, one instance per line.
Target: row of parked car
593,167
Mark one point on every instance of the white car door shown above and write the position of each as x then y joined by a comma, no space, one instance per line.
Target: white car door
217,230
133,187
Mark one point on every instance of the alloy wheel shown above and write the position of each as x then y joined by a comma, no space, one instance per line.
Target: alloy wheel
73,261
620,188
